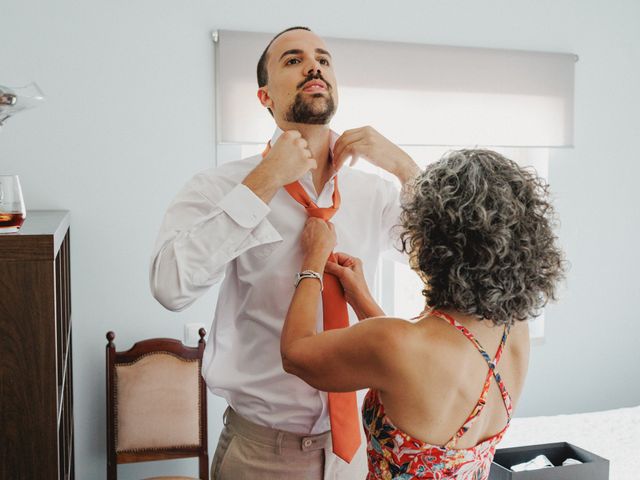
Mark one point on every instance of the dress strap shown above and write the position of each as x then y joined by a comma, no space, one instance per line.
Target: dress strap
492,363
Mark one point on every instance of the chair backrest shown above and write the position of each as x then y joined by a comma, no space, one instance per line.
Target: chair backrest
156,403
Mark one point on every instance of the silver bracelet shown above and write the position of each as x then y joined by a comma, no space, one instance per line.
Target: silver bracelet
308,274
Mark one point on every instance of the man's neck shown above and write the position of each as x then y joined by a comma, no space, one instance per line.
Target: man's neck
318,138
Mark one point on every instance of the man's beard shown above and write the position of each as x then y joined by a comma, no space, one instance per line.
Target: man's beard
302,111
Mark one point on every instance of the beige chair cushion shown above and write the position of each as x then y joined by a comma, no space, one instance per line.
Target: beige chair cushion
157,403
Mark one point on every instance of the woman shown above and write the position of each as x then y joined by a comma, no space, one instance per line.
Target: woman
478,230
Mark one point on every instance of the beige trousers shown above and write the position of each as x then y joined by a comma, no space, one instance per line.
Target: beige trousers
249,451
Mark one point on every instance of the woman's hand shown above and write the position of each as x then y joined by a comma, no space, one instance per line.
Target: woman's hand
349,271
318,240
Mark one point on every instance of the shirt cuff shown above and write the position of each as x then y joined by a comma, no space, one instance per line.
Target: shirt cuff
244,207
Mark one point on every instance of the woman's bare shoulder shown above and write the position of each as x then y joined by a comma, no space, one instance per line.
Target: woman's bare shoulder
397,341
394,329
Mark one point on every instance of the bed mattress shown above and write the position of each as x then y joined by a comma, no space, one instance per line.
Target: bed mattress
612,434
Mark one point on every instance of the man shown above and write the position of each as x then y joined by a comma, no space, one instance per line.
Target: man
241,221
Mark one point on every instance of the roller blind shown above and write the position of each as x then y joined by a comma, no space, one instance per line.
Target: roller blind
414,94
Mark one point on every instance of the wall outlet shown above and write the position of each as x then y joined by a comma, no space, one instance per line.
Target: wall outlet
191,335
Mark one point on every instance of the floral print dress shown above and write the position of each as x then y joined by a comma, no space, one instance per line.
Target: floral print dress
395,455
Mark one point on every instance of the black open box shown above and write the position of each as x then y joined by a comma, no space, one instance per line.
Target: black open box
592,468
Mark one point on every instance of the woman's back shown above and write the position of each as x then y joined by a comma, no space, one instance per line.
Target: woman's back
443,384
444,377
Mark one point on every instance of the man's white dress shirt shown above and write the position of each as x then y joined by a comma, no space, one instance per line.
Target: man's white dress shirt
217,229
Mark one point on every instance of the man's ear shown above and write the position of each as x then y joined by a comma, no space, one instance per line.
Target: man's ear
265,99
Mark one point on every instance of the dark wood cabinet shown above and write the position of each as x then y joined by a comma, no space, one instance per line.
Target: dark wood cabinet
36,387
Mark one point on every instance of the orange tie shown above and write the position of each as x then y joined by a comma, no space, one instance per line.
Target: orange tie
343,406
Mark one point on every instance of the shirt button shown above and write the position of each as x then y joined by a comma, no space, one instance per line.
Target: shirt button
307,443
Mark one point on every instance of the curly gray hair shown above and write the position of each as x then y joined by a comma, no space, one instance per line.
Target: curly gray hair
479,232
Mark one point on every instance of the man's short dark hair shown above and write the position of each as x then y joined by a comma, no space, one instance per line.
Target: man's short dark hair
263,77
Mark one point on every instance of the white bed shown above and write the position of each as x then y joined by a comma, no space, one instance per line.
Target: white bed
612,434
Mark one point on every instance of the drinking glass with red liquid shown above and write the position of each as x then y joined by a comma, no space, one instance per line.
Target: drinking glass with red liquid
12,211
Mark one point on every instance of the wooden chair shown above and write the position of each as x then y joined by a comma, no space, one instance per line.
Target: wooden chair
156,404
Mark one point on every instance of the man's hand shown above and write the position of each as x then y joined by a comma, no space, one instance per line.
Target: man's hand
367,143
287,161
289,158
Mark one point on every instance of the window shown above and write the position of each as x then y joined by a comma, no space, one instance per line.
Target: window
428,98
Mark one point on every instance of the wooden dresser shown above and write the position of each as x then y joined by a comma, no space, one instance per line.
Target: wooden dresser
36,392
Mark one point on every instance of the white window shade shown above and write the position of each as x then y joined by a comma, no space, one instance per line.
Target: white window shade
414,94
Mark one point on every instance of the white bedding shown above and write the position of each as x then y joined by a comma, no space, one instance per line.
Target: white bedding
612,434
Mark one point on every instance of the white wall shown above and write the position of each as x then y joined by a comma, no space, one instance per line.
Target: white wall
129,119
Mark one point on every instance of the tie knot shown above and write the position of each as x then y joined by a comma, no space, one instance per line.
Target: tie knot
323,213
299,194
